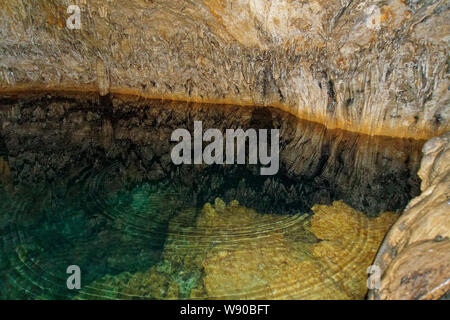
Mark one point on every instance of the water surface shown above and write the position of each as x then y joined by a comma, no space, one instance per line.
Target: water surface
88,181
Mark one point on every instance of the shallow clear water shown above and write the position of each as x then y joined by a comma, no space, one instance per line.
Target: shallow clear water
89,182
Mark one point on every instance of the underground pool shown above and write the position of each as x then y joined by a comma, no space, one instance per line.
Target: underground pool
88,181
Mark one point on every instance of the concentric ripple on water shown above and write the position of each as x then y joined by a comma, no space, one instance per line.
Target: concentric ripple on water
232,252
91,222
146,240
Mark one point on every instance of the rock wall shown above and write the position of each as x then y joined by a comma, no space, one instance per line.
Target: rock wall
415,256
375,67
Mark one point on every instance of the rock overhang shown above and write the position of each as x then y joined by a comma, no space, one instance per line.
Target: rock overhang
374,67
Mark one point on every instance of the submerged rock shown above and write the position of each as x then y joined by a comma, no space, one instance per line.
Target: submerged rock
351,241
232,252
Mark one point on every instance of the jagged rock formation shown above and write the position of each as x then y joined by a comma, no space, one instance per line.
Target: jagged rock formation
377,67
415,256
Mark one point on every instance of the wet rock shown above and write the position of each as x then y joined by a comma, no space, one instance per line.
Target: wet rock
416,249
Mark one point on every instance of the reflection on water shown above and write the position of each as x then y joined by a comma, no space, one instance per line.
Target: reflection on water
89,181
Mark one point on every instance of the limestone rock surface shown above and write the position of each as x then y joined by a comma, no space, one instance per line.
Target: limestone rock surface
376,67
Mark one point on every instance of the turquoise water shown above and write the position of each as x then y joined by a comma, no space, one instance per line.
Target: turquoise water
92,222
47,229
83,184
